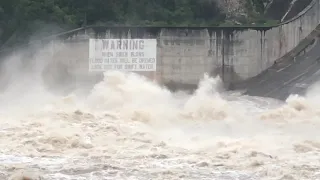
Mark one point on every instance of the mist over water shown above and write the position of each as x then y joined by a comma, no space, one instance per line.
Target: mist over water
128,127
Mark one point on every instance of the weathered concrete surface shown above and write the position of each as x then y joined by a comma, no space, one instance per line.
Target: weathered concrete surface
287,77
236,54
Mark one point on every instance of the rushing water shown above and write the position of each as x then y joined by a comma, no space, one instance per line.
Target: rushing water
128,127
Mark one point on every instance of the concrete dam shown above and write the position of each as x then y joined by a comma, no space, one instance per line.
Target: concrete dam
128,127
237,54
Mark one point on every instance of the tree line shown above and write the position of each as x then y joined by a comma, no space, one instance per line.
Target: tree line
22,16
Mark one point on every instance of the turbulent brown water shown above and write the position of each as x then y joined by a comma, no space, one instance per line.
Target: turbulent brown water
128,127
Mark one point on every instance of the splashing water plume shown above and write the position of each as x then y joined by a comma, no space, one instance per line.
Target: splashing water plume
129,126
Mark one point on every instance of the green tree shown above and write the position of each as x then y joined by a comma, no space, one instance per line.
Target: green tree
24,16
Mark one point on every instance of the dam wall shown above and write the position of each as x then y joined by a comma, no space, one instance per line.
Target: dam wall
184,54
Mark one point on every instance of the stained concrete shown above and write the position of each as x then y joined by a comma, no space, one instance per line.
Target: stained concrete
286,77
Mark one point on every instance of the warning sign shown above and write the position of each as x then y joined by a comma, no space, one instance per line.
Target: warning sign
122,54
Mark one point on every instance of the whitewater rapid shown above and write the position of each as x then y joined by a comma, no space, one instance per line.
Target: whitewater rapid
129,127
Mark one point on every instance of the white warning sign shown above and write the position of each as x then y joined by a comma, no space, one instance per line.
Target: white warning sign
122,54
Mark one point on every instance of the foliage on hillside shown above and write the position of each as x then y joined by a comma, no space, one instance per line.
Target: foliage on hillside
29,15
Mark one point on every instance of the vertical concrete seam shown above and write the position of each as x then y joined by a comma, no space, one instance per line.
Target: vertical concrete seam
261,51
222,54
210,52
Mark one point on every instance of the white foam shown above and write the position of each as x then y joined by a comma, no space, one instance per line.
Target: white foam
130,126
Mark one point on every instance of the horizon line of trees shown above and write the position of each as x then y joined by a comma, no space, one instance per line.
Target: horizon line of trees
18,18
